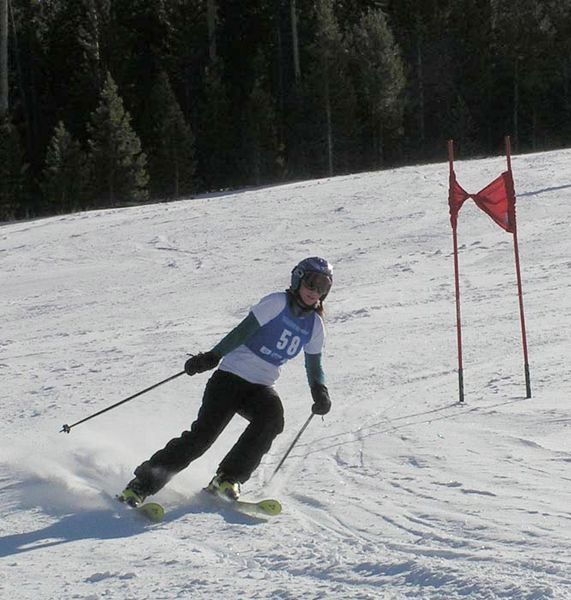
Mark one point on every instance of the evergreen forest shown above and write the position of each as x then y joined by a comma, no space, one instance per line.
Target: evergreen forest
116,102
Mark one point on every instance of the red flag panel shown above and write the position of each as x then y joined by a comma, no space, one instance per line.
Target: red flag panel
457,195
497,199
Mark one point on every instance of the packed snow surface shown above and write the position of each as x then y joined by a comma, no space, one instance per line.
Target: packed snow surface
399,492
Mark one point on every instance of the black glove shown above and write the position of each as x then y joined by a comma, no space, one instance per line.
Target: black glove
321,402
203,361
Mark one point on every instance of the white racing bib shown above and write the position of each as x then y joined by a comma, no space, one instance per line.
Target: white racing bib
282,336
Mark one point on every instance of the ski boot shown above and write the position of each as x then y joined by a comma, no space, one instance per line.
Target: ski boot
224,486
134,494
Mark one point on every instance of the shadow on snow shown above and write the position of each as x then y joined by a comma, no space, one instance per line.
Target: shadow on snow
113,523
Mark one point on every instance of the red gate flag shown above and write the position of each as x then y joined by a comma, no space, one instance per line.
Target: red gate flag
497,199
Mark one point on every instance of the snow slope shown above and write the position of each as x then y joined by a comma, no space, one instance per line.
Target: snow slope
398,493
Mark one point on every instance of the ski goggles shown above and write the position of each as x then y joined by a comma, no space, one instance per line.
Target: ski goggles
317,282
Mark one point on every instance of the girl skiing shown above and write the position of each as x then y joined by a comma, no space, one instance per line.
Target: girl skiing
275,331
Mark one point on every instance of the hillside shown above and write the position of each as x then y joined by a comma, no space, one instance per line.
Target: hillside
398,493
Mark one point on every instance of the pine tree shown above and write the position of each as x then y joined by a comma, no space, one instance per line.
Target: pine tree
380,79
171,144
63,178
420,26
527,36
141,38
11,170
117,164
4,104
329,93
265,160
64,44
216,133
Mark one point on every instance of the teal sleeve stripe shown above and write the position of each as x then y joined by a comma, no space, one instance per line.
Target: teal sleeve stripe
237,336
314,369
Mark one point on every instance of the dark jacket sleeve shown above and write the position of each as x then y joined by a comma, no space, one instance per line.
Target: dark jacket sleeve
314,369
240,334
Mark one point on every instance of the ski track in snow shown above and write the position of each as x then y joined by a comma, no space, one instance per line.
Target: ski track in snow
398,493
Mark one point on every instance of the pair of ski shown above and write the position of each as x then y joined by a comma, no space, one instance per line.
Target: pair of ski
154,512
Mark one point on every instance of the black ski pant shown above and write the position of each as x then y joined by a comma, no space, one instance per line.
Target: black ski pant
225,395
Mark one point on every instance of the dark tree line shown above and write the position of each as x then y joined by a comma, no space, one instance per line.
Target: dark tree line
107,102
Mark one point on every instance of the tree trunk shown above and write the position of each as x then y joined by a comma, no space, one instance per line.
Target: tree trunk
328,125
256,163
295,42
534,132
211,16
176,178
420,79
380,146
515,132
3,58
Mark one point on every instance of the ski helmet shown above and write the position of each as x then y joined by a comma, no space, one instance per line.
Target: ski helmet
317,274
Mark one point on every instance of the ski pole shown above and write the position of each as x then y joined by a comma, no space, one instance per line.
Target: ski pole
67,428
292,445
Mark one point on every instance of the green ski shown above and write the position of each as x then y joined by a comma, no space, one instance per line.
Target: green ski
261,508
152,511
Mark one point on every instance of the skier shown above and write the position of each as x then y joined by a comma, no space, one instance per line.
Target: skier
275,331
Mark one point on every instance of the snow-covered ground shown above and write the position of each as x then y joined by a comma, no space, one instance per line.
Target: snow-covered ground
398,493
